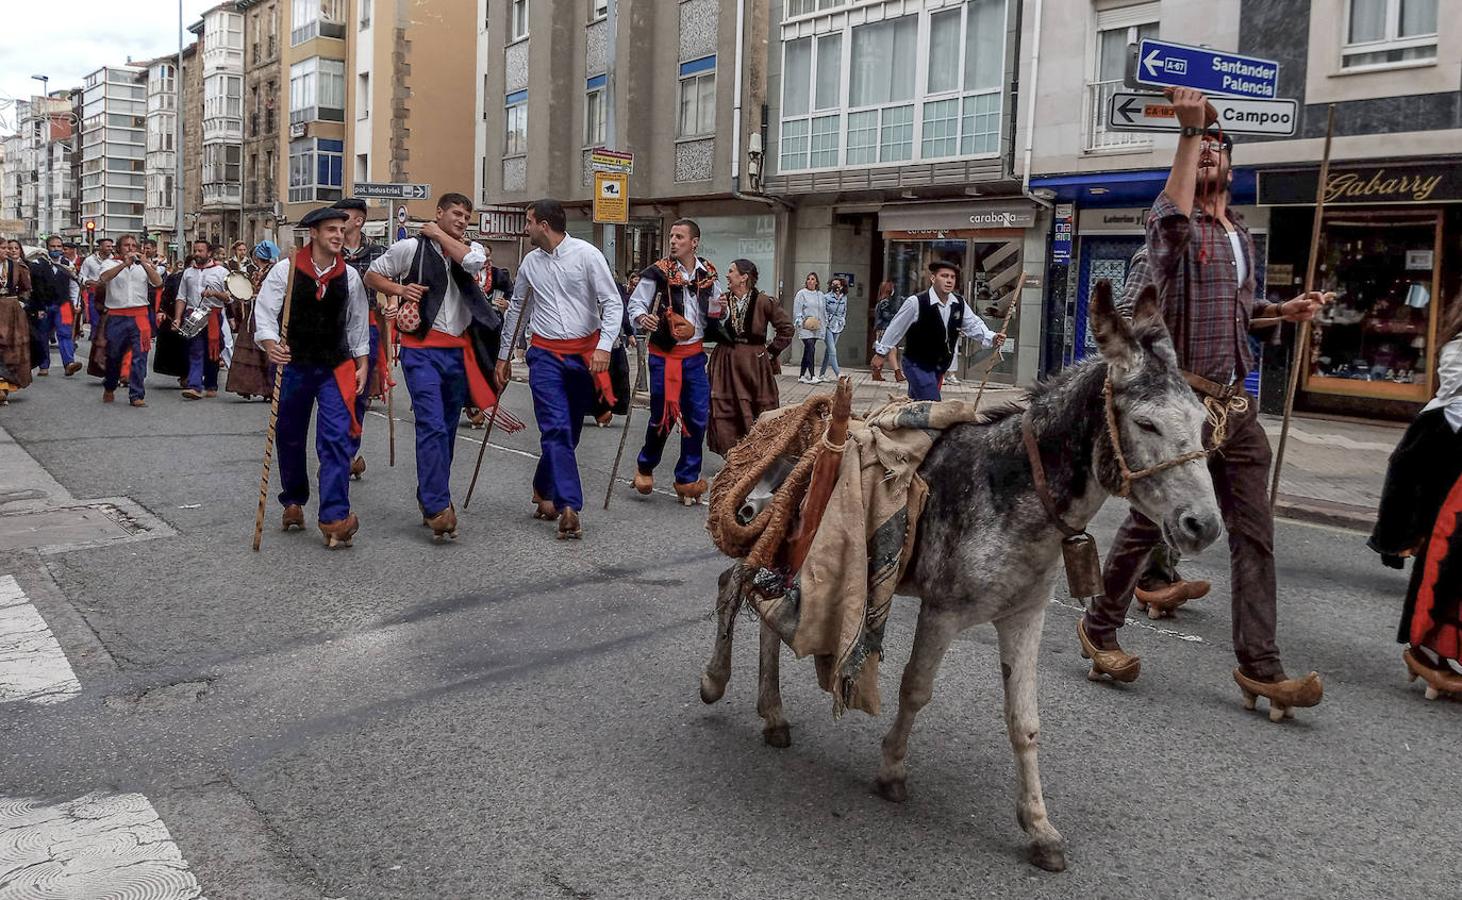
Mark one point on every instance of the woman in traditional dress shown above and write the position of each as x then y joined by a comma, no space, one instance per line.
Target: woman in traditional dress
808,308
14,323
1421,517
743,381
249,373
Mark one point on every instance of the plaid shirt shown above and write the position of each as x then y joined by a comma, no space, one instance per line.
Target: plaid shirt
1206,308
1139,276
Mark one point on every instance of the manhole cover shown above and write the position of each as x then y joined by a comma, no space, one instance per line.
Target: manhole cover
80,526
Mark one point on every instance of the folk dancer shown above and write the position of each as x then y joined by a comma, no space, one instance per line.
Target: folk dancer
449,337
72,314
933,322
359,254
677,301
239,260
129,282
326,363
249,373
1203,263
575,320
15,344
91,272
742,367
53,291
203,284
497,286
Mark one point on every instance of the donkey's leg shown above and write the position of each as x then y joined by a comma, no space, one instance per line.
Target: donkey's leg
932,638
1020,644
775,730
728,604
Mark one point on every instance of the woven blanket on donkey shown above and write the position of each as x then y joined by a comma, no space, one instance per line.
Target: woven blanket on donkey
835,609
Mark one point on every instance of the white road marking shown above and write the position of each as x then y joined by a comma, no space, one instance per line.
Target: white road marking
1140,623
32,664
100,845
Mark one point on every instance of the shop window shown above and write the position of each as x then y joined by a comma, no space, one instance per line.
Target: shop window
1390,32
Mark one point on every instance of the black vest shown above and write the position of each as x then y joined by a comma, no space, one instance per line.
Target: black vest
675,299
49,284
317,327
931,343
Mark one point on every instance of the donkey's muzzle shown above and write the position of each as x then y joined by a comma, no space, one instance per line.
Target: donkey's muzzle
1193,530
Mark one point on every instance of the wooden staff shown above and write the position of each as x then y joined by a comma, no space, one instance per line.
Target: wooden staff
824,477
273,408
492,419
1302,345
1004,330
390,394
624,435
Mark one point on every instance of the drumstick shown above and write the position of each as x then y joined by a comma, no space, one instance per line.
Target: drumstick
273,414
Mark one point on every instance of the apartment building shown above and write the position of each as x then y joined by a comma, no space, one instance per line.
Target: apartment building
160,215
12,178
221,56
891,133
113,149
687,102
263,100
312,147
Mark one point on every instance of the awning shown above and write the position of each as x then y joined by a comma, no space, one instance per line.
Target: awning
1138,187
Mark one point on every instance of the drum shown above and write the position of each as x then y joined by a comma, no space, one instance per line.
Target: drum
240,287
195,321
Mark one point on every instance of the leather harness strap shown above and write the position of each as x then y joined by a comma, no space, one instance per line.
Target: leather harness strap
1038,474
1212,389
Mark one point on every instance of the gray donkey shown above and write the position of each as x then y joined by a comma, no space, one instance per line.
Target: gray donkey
988,549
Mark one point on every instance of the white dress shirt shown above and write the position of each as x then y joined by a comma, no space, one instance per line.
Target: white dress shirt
574,295
644,297
195,281
269,305
454,316
1449,386
971,326
93,266
129,288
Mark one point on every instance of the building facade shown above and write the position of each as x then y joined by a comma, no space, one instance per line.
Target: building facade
312,143
113,149
262,101
221,56
160,216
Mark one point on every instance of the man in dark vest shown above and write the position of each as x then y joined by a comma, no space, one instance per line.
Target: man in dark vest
449,340
933,321
678,304
53,290
360,252
326,356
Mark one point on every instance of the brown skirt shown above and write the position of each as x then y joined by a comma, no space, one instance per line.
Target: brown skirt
248,373
15,343
743,387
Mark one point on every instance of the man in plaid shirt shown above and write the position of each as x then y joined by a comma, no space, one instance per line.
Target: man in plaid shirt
1202,260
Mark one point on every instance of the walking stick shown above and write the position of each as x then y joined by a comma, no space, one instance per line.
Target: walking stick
273,411
492,419
624,435
1302,343
390,394
1004,329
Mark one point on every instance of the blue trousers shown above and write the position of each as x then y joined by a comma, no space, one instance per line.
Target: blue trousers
563,394
202,371
123,334
303,389
695,412
50,326
830,354
924,383
437,380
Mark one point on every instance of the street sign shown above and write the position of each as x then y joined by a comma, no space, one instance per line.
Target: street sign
1164,64
611,198
400,215
502,222
602,159
1153,112
401,232
370,190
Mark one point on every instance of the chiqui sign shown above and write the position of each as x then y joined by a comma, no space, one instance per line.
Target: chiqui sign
1162,64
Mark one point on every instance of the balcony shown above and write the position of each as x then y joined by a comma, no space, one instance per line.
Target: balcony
222,194
1097,138
221,128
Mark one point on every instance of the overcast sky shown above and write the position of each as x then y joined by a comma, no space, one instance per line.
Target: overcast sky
67,40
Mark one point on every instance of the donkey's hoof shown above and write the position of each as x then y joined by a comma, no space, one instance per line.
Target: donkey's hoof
779,736
711,690
894,790
1051,857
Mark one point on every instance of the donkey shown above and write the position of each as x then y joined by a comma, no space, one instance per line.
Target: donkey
987,548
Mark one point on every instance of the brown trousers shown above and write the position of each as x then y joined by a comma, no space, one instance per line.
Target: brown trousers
1240,473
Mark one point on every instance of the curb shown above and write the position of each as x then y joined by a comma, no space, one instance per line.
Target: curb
1325,512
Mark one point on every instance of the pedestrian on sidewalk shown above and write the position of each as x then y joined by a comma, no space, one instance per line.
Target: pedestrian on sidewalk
883,313
1421,518
742,367
836,305
1203,264
808,309
933,322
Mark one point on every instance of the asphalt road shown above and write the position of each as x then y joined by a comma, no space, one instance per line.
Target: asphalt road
510,716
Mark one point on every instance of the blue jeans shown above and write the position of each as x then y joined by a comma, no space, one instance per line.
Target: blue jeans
695,412
924,383
302,389
436,378
202,371
50,326
830,355
563,394
123,334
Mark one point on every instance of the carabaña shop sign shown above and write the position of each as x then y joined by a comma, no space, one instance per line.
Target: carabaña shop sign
1356,185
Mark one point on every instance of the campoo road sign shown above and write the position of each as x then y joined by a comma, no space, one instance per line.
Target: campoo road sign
1162,64
1153,112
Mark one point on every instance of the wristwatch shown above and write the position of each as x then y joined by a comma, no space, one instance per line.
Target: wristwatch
1191,131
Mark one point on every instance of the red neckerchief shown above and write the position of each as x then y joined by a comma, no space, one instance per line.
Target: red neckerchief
675,274
305,265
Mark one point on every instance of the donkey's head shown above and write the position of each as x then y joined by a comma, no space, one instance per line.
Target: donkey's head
1158,420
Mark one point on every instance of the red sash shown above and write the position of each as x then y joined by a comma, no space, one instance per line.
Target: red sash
215,334
68,313
674,378
383,355
345,380
143,315
478,388
583,348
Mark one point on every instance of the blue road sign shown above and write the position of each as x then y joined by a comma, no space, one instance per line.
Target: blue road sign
1163,64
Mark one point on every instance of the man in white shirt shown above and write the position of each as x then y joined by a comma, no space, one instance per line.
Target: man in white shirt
204,284
128,282
933,322
91,272
575,318
325,359
449,336
674,303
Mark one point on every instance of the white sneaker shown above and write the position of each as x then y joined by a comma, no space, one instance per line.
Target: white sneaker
804,379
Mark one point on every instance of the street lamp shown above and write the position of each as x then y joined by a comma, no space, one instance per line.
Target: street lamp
45,142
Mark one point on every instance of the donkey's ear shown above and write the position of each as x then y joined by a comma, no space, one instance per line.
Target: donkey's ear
1113,334
1147,311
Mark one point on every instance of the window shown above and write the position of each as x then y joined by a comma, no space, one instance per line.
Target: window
881,75
598,9
222,163
365,14
515,124
1388,32
811,83
362,167
310,19
596,112
517,19
698,97
317,90
363,95
1116,29
796,8
315,169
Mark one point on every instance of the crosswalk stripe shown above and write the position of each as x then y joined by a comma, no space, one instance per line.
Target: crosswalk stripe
99,845
32,664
